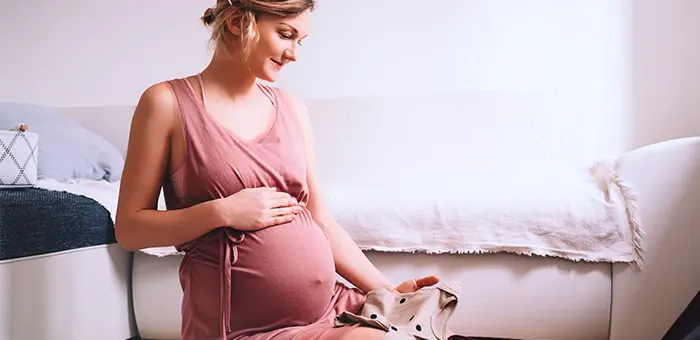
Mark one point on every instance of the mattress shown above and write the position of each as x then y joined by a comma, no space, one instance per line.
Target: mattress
40,221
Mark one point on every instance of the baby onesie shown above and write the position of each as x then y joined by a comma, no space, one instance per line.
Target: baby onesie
423,314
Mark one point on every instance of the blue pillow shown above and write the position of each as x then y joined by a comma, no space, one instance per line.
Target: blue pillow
67,150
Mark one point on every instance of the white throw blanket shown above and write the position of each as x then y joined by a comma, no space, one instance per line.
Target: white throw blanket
584,217
568,218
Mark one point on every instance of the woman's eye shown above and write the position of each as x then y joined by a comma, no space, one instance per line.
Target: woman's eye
285,36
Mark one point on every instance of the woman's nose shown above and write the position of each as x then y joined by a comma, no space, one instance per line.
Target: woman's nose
290,54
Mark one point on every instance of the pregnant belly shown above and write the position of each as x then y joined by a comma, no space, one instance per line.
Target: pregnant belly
284,276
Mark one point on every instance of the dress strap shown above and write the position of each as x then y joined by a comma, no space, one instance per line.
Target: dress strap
269,93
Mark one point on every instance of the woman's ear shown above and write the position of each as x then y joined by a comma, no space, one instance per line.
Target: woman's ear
233,24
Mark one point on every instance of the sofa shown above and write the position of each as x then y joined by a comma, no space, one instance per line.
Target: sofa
504,294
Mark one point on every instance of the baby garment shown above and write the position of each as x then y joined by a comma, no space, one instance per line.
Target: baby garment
423,314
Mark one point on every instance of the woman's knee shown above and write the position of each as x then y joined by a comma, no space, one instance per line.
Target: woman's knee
365,333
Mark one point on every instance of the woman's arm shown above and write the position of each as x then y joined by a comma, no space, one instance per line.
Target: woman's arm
138,223
350,262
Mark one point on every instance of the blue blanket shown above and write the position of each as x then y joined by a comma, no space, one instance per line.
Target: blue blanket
35,221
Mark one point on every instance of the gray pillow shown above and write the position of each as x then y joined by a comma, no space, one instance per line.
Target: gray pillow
67,150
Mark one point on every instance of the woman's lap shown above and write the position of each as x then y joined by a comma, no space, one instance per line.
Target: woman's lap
326,332
363,333
344,299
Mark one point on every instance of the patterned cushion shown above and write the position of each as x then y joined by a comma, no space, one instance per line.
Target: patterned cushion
18,158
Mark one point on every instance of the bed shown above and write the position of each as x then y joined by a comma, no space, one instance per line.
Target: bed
62,273
60,266
510,292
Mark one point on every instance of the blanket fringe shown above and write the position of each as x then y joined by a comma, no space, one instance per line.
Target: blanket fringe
604,171
475,249
631,206
500,249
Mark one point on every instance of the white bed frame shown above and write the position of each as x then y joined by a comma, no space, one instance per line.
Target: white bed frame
504,295
78,294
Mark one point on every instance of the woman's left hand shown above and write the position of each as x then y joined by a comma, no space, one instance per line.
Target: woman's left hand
411,286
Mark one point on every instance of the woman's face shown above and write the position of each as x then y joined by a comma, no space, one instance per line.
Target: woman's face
278,44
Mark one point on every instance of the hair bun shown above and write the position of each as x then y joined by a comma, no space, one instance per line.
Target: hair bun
208,17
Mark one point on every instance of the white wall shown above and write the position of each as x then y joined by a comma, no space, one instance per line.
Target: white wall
85,53
611,67
665,77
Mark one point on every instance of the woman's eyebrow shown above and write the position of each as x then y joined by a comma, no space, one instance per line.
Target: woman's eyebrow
293,29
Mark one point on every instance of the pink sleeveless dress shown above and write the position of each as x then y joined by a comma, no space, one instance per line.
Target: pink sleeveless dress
276,283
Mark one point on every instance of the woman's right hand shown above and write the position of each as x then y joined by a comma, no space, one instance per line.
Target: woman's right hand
258,208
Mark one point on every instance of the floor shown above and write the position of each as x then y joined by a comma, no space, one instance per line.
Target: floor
687,326
694,335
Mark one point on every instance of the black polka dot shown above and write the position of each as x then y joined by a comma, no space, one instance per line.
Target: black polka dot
402,300
419,328
394,328
373,316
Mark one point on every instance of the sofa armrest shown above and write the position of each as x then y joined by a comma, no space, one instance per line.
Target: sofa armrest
666,176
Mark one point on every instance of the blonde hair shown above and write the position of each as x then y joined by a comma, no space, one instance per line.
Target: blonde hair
242,15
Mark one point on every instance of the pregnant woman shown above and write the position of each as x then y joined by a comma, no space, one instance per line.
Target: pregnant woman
236,163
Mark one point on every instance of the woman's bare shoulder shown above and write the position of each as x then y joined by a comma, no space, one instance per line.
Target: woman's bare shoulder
157,107
157,102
